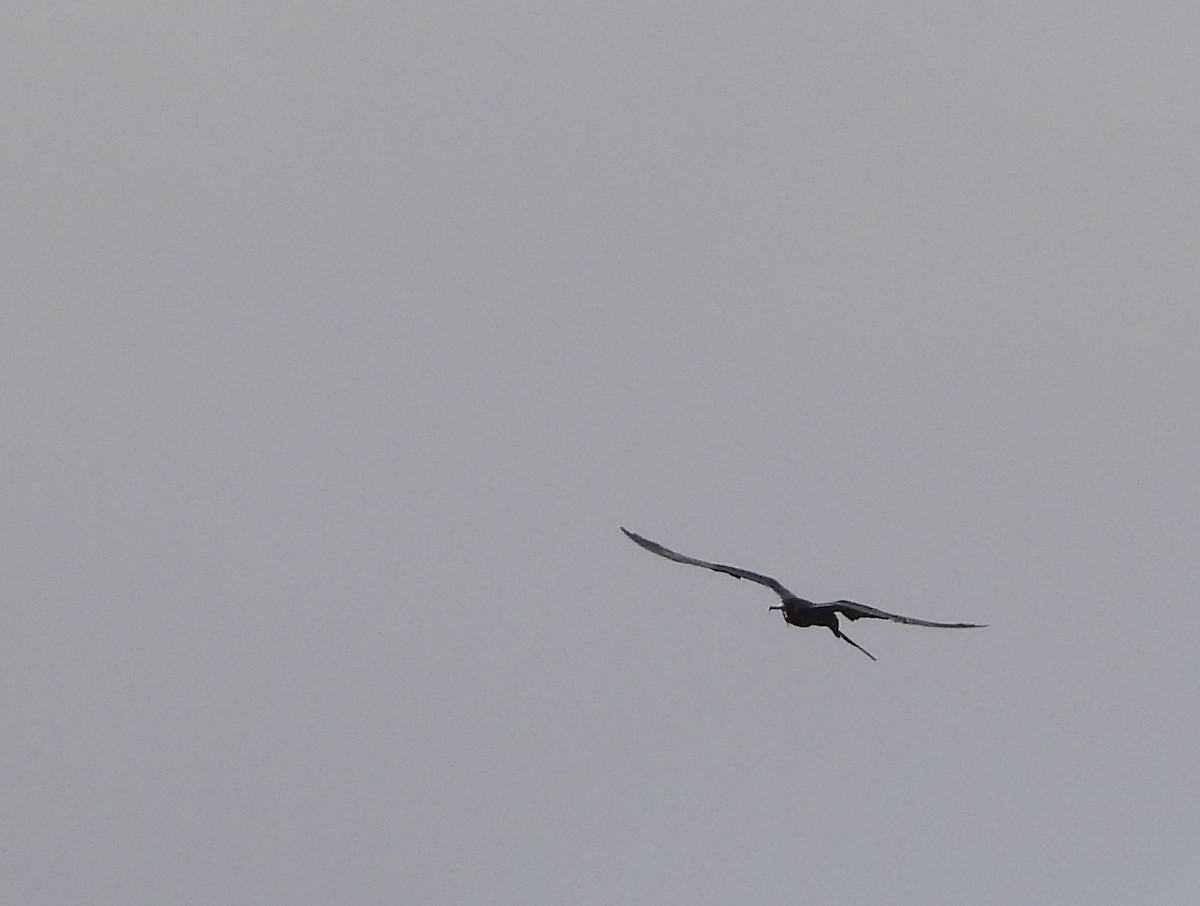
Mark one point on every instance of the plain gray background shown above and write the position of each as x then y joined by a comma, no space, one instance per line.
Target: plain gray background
339,339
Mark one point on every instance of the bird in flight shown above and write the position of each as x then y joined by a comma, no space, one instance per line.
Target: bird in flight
796,610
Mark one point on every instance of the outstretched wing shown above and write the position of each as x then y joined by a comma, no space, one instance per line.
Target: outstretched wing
656,548
852,610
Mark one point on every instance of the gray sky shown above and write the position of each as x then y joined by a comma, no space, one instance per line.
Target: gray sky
338,341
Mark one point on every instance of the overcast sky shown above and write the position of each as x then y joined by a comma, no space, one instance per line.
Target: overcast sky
338,340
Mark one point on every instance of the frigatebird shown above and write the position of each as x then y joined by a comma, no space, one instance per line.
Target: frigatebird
795,609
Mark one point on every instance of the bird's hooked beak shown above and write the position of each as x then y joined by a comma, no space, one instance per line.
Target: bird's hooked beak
775,607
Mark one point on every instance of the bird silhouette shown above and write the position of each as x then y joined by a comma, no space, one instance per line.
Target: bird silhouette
797,610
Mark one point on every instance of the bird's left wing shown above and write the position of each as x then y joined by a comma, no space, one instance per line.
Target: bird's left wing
852,610
655,548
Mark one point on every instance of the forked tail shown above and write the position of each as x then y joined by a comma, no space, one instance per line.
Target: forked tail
844,637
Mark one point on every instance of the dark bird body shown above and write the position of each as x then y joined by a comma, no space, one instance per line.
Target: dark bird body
797,610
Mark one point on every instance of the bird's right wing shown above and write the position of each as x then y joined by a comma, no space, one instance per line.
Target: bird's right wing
656,548
852,610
